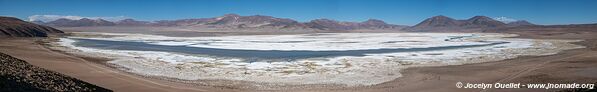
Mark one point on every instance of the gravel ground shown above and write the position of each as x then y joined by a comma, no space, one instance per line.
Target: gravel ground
19,76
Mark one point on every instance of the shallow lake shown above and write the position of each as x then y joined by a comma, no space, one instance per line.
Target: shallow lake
253,54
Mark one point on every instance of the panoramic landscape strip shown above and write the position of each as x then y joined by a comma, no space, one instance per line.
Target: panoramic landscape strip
298,46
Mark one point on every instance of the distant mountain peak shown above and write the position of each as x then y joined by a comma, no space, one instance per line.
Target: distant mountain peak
129,19
231,15
131,22
235,21
505,19
102,20
480,17
483,21
86,19
62,19
438,21
14,27
63,22
329,24
446,23
374,22
441,17
324,19
520,23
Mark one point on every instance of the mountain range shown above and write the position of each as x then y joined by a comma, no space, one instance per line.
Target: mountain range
231,21
235,21
443,23
14,27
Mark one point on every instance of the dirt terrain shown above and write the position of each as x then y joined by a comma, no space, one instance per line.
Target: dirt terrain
88,70
572,66
19,76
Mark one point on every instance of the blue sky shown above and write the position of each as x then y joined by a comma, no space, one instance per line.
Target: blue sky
404,12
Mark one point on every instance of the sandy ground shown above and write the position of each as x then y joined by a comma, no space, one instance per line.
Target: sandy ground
87,70
572,66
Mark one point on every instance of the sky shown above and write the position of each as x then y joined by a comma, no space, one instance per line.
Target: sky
402,12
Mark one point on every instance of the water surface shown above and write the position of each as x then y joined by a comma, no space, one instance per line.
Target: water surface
251,54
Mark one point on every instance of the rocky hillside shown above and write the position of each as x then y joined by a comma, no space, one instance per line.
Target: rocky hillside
327,24
19,76
79,23
438,21
481,22
13,27
443,23
237,21
131,22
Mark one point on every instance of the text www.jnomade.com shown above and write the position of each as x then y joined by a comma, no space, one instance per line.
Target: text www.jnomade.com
520,85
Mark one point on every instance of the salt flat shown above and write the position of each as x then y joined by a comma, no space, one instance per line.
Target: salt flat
372,68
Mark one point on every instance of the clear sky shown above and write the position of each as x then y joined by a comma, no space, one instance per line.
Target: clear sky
403,12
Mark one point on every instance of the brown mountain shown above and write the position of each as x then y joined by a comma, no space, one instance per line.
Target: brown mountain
132,22
13,27
482,21
79,23
443,23
379,24
181,22
327,24
233,21
438,21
